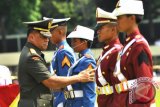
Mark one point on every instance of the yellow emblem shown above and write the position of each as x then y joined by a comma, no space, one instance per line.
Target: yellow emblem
50,25
66,62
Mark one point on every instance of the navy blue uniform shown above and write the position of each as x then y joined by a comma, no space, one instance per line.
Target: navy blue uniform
87,89
62,61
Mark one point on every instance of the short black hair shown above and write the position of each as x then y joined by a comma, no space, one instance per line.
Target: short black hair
89,42
138,18
30,30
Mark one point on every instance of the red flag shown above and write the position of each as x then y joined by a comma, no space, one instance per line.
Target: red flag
7,94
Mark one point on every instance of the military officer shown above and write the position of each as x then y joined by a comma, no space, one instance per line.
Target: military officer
135,60
35,79
81,94
64,57
108,34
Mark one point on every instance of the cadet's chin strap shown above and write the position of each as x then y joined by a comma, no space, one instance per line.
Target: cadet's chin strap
83,43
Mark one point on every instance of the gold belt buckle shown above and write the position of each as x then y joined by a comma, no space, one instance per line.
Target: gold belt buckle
118,88
109,89
98,90
66,94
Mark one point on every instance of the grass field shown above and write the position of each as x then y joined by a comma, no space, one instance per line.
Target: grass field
158,98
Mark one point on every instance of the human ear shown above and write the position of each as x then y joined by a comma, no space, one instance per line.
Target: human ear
32,37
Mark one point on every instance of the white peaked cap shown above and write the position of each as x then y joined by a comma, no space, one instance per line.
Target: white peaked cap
5,76
103,16
57,20
129,7
82,32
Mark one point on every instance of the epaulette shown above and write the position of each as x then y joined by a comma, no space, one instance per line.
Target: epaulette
138,38
61,47
32,51
88,56
117,46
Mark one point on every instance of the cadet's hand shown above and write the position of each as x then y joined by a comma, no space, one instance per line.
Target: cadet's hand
87,75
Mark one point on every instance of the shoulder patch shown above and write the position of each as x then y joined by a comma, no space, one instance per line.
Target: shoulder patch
32,51
36,58
66,61
143,58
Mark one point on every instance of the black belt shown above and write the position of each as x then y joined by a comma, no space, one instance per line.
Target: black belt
39,102
42,100
41,96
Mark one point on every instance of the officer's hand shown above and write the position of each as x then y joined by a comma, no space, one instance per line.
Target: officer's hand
87,75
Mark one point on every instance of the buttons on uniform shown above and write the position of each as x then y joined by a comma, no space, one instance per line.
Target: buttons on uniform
106,47
103,72
127,39
127,54
107,57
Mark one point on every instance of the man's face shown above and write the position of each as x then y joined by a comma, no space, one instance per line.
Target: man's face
124,23
55,35
76,44
40,41
104,33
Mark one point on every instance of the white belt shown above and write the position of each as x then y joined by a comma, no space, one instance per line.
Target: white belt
60,104
73,94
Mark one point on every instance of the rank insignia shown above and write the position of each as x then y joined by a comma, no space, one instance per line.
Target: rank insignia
35,58
66,62
32,51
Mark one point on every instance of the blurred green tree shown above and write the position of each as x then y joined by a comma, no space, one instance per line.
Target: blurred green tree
13,13
81,11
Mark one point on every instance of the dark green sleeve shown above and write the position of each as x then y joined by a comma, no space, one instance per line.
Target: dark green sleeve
37,69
